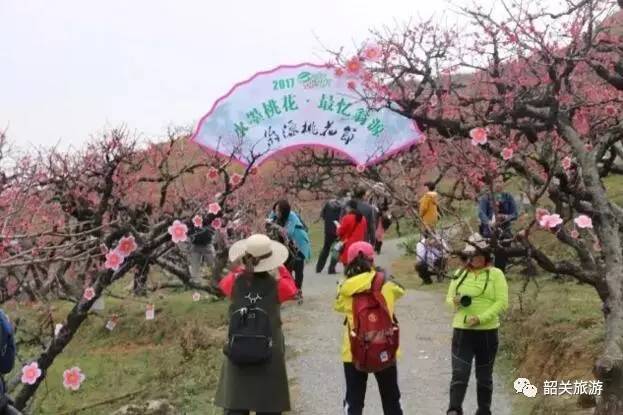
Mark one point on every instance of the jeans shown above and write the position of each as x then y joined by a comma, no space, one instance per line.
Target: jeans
356,383
245,412
329,239
467,345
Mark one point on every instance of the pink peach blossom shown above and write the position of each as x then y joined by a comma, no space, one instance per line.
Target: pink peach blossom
550,221
30,373
73,378
353,65
507,153
126,246
372,53
361,168
575,234
478,136
351,84
253,171
540,212
611,111
212,173
113,260
235,179
217,223
566,163
597,246
178,232
89,293
339,72
196,296
214,208
583,222
198,221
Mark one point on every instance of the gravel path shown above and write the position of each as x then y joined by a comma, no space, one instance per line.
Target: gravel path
313,334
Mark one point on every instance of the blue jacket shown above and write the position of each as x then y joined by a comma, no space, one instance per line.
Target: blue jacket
298,233
486,209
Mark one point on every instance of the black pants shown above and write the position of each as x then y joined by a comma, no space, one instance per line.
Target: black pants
467,345
297,266
501,259
424,272
377,246
245,412
329,239
356,383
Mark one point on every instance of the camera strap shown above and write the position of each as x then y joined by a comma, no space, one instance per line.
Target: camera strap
462,280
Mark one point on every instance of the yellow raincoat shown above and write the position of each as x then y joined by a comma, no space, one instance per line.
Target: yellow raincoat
344,302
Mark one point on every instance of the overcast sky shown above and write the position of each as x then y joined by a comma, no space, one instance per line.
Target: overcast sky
69,68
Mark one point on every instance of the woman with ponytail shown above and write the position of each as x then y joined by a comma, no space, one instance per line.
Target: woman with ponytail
351,229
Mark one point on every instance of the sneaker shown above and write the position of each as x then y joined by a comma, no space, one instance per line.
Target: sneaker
299,297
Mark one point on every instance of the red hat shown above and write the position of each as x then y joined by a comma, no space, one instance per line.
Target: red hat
360,247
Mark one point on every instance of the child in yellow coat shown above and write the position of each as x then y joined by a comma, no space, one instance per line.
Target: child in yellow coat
360,272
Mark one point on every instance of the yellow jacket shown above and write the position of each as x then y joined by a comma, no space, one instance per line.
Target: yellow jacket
428,209
344,302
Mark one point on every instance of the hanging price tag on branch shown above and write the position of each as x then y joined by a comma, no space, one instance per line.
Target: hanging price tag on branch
150,312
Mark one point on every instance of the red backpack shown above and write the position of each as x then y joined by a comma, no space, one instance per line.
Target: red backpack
375,336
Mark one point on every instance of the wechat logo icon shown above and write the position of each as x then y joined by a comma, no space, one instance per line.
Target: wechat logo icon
523,385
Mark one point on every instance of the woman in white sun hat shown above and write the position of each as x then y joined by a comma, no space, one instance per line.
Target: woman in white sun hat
254,377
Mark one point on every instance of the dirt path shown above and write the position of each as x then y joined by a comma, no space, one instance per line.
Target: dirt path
313,333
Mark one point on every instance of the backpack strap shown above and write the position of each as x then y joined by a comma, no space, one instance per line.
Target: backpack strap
376,288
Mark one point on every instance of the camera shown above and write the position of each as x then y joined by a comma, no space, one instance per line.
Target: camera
465,300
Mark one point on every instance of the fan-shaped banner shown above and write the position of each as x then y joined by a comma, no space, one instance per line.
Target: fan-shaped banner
297,106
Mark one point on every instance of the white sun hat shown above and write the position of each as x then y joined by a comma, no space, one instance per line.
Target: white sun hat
475,242
269,254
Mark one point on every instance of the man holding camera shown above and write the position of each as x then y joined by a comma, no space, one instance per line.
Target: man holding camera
478,294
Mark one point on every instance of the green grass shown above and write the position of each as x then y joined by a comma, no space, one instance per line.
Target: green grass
176,357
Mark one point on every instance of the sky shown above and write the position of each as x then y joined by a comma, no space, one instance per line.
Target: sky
71,68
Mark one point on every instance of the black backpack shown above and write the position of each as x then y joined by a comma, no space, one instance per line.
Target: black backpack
250,335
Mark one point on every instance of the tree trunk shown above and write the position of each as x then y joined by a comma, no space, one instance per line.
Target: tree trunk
609,367
140,281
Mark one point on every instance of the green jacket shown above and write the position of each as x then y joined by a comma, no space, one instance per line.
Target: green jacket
489,299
